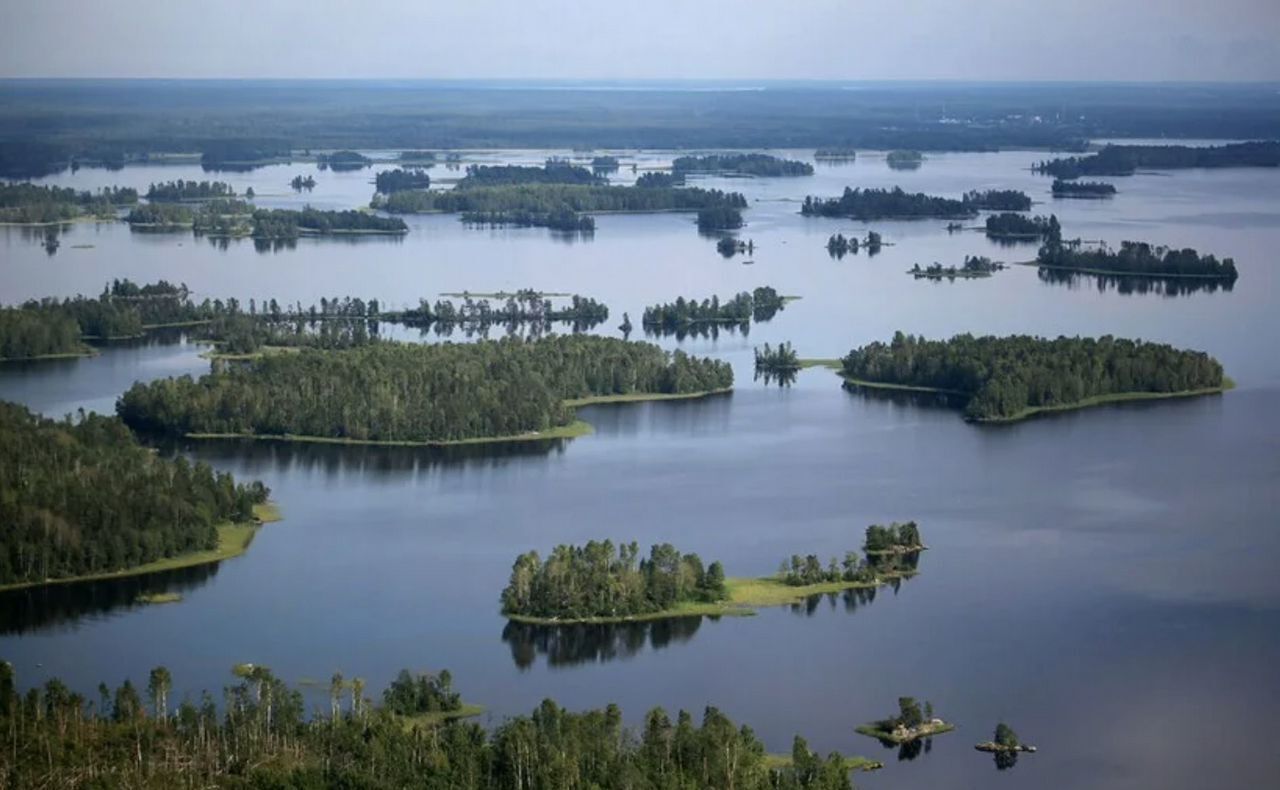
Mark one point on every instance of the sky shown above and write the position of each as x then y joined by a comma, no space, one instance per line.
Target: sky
1124,40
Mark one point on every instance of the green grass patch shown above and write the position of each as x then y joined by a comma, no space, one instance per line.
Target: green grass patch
924,731
775,762
746,595
233,540
833,364
156,598
436,718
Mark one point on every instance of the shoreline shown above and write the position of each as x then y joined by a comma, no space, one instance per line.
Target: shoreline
1031,411
1114,273
746,596
233,540
888,736
88,352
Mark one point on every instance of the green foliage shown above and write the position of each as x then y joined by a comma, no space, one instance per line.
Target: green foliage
973,266
721,217
596,581
1082,188
289,224
36,333
1010,225
28,203
839,246
761,304
556,171
410,695
889,550
161,215
742,164
172,191
400,179
885,204
80,498
414,392
837,153
893,538
1124,160
299,183
1002,376
548,198
998,200
262,738
1135,257
903,159
344,160
525,307
777,360
1005,736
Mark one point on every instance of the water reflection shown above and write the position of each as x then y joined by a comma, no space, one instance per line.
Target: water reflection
1129,285
571,645
61,606
928,400
1005,760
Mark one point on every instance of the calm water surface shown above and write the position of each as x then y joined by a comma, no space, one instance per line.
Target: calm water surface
1103,580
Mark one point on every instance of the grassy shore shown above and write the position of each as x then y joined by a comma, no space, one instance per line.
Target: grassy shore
778,761
570,431
1114,273
746,595
440,717
87,352
1102,400
575,428
233,540
923,731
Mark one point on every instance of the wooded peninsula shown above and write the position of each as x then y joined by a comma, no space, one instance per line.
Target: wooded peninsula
1125,160
123,508
1135,258
399,393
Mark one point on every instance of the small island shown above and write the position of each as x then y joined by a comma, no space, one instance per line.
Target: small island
1005,379
1082,189
405,394
904,160
343,160
728,246
998,200
781,362
422,699
687,315
1134,258
911,724
838,245
401,179
1125,160
1006,740
836,154
865,204
599,583
300,183
740,164
974,266
29,204
1013,227
181,191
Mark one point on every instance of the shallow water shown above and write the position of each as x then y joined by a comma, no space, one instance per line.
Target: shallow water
1102,580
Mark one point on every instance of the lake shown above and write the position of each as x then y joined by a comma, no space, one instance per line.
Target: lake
1101,580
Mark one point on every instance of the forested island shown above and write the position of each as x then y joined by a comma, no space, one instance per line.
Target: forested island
263,737
1082,189
780,361
32,334
604,583
599,581
839,246
180,190
289,224
300,183
1125,160
524,307
719,218
974,266
400,179
912,723
998,200
893,203
161,216
762,165
761,304
728,246
553,171
534,200
239,154
397,393
28,204
1001,379
602,165
904,159
41,328
1018,227
1136,259
836,154
343,160
125,510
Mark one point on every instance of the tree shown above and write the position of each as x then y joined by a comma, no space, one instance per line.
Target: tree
158,685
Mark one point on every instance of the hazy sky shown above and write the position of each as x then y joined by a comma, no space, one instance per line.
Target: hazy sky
707,39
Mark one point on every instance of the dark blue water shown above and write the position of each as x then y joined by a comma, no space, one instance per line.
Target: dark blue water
1102,580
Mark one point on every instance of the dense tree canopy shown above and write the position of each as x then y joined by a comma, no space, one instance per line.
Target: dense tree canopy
37,333
973,266
555,171
1018,226
168,215
546,198
759,305
885,204
1136,258
903,159
29,203
597,580
1084,189
1003,376
344,160
400,179
413,392
743,164
262,738
999,200
84,497
1124,160
172,191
